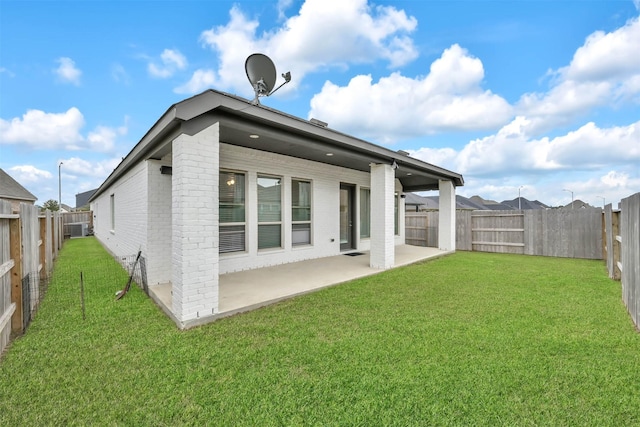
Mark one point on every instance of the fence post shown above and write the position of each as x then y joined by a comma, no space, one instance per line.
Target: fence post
615,233
604,235
44,272
15,251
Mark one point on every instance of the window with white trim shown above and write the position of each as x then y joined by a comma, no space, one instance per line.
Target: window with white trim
396,219
269,212
112,209
365,213
300,212
232,213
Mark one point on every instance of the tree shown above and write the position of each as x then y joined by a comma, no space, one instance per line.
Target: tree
51,204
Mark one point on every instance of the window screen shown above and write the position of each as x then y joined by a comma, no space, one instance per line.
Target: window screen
269,212
232,212
300,212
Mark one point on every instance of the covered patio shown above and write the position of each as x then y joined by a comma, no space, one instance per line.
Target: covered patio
248,290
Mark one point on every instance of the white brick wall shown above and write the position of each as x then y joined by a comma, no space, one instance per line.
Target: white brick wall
195,224
325,180
174,218
130,196
159,222
382,216
447,216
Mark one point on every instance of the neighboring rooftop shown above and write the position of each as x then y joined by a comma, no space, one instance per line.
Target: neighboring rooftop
82,199
12,189
417,202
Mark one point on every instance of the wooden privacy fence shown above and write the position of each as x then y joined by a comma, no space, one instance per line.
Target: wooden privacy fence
622,251
30,243
77,224
555,232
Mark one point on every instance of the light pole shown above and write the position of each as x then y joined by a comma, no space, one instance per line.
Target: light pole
59,188
571,197
603,201
519,204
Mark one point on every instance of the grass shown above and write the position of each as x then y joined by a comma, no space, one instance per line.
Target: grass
469,339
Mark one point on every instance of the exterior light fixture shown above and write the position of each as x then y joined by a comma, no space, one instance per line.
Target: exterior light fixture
254,136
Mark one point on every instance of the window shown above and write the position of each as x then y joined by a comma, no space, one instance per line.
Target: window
300,212
232,212
395,214
112,207
269,212
365,213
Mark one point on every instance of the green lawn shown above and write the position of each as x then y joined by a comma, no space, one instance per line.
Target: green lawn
468,339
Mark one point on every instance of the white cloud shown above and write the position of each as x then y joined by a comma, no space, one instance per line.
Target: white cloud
172,61
200,81
604,71
284,5
119,74
103,138
607,56
67,71
28,174
359,34
6,71
510,150
48,131
449,98
77,167
44,130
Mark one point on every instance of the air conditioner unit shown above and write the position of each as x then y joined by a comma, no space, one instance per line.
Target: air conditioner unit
79,229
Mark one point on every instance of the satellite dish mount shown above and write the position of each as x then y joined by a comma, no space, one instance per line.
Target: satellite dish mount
262,75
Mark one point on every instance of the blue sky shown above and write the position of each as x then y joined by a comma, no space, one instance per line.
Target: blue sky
532,96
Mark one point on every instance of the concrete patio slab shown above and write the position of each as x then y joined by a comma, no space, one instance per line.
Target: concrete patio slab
247,290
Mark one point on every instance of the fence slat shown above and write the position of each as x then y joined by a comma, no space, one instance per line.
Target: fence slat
629,232
559,232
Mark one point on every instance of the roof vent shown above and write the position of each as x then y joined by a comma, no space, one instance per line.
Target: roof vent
404,153
319,123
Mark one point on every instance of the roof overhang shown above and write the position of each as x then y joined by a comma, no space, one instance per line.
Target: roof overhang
276,132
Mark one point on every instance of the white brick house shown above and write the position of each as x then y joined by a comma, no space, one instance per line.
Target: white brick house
219,185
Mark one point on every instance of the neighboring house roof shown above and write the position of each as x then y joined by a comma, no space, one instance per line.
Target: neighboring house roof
525,204
433,202
11,189
423,203
279,133
475,203
82,199
577,204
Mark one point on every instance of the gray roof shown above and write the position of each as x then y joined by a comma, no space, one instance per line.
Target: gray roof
11,189
475,203
82,199
524,204
279,133
412,199
433,202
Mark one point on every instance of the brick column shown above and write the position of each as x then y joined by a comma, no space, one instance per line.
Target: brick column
382,218
447,216
194,219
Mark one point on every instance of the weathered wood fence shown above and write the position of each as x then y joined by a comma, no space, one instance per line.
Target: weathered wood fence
30,243
622,251
555,232
76,224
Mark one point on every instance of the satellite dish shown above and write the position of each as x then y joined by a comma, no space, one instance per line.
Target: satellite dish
262,74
